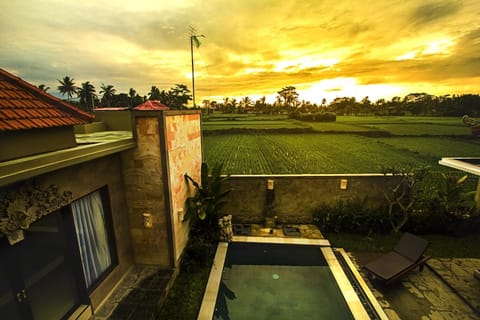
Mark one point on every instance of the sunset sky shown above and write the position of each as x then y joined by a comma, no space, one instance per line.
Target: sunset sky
326,49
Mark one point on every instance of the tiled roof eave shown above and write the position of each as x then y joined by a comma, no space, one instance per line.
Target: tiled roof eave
24,106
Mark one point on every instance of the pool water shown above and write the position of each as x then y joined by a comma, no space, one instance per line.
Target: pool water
278,281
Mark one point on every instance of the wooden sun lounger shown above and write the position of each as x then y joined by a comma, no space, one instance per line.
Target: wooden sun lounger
407,254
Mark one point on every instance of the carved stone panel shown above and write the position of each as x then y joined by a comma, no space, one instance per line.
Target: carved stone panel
25,204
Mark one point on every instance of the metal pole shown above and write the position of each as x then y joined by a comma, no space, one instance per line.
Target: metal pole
193,71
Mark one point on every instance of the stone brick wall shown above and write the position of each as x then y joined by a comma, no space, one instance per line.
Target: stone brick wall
144,183
297,196
184,149
168,146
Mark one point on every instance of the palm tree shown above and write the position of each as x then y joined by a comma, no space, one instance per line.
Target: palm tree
108,92
289,96
132,93
67,87
87,94
154,93
43,87
245,104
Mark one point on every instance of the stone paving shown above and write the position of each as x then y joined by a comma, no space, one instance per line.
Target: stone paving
444,290
137,295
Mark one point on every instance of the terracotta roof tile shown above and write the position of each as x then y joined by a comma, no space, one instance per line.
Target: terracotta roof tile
24,106
151,105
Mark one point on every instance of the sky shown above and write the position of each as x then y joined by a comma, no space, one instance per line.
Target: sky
325,49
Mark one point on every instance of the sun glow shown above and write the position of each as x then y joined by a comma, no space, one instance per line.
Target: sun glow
346,87
441,46
306,62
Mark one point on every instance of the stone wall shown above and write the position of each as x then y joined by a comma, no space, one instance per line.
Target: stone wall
184,149
168,146
145,183
297,196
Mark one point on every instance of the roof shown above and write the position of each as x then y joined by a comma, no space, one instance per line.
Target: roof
111,109
24,106
151,105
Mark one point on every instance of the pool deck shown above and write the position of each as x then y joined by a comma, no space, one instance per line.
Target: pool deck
445,289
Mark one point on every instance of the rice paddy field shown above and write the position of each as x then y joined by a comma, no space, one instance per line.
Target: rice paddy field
349,145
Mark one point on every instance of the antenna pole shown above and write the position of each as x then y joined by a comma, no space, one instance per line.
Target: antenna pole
193,69
197,43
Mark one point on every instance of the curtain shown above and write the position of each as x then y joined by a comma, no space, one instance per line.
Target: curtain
92,236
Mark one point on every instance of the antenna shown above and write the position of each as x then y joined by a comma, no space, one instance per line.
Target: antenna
194,40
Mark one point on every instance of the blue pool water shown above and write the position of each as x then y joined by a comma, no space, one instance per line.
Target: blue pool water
278,281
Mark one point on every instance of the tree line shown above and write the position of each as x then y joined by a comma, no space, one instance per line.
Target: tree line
287,101
85,96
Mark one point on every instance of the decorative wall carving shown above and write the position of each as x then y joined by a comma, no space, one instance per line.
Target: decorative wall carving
25,204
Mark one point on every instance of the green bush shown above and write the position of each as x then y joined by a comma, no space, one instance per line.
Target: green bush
352,216
313,117
443,205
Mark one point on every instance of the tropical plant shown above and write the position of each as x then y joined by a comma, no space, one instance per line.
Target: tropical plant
352,215
203,208
108,92
132,93
403,196
452,197
43,87
289,96
67,87
154,93
176,98
87,95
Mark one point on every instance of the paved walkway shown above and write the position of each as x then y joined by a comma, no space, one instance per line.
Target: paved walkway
445,290
137,296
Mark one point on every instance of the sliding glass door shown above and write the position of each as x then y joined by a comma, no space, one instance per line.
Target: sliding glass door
38,279
63,257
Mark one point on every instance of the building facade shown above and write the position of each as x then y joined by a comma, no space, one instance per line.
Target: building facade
77,211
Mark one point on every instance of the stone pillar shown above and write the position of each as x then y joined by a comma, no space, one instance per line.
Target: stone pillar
145,189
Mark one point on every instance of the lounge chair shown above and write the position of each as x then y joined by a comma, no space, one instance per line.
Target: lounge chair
407,254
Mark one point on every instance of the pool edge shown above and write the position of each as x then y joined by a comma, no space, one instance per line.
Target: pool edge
207,308
366,289
210,296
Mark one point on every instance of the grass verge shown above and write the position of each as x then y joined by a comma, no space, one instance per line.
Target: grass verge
441,246
185,297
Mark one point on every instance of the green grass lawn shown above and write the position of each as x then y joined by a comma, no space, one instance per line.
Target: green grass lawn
185,297
441,246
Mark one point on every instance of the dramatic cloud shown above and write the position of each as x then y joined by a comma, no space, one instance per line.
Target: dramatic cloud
323,48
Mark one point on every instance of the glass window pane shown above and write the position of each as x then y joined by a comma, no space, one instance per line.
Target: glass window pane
47,272
91,230
8,306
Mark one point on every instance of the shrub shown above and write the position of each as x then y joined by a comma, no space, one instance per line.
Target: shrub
352,216
313,117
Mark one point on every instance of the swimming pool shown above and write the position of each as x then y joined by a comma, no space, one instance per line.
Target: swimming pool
282,278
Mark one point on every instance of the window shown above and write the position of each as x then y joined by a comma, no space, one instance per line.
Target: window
93,236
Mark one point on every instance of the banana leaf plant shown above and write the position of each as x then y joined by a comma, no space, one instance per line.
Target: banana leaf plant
204,206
